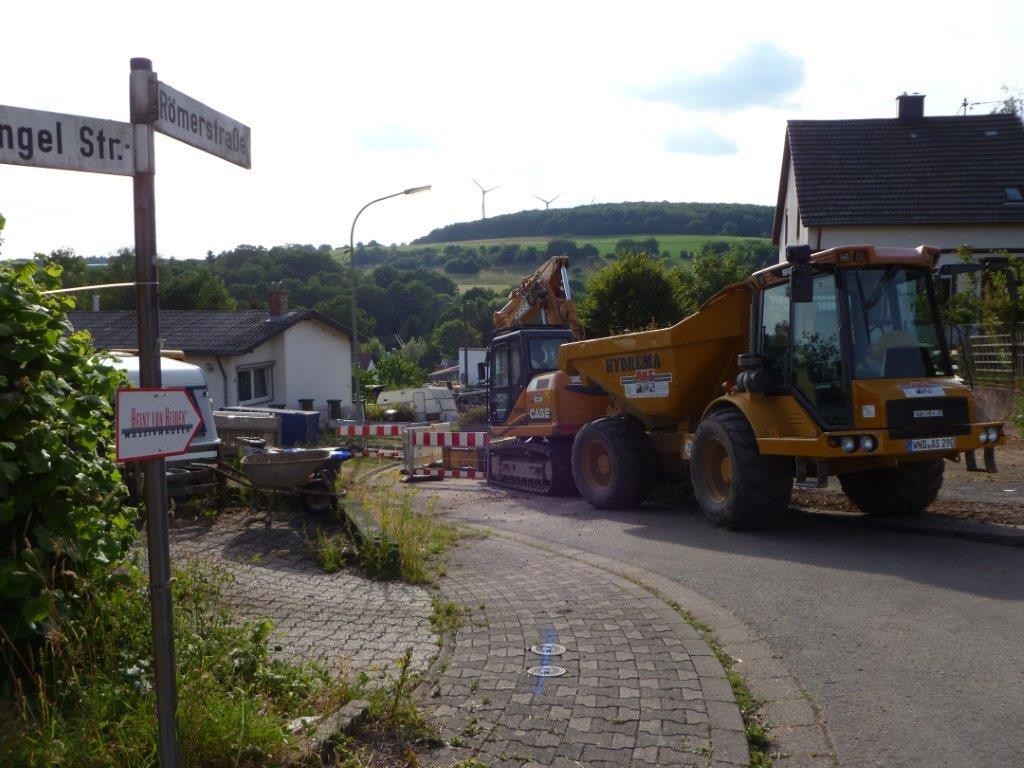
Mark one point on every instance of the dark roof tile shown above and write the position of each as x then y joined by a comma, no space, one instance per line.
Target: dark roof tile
197,332
935,170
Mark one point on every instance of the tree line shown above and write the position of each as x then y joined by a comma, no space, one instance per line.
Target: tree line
616,219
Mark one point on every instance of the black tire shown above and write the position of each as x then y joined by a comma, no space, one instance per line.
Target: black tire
613,463
895,491
318,493
735,485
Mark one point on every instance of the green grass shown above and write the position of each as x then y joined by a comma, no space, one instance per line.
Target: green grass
503,279
410,542
605,244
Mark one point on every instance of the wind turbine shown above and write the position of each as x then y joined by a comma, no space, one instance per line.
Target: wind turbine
547,203
483,197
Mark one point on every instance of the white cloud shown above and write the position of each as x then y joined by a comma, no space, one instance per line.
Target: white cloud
699,141
763,75
389,138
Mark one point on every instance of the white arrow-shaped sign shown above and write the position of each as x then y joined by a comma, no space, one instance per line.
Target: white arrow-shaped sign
154,422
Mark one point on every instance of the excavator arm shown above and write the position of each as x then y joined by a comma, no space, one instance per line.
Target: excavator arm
543,298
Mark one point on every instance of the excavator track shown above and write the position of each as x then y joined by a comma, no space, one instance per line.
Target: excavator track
543,468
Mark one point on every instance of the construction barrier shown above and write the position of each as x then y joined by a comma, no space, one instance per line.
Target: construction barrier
371,430
429,450
439,453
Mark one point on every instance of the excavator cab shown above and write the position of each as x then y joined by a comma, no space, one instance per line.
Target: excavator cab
515,358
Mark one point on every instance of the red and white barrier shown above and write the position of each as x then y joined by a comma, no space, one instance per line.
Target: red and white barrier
421,463
371,430
451,439
470,474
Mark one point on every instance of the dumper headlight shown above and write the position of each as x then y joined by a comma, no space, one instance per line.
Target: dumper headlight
993,434
983,436
848,443
868,443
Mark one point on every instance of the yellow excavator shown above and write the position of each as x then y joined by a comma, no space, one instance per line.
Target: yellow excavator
529,450
830,364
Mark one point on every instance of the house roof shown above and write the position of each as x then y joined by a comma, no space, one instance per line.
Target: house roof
197,332
929,170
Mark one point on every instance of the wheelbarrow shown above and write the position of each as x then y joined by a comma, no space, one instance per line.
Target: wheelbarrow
308,473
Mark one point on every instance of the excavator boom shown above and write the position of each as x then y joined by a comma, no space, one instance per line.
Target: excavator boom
543,298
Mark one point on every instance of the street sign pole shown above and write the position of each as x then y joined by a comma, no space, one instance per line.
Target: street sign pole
143,89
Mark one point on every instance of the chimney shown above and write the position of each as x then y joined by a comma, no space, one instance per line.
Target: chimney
95,302
911,106
277,299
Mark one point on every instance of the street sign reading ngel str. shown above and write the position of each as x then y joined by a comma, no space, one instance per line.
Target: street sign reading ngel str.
66,142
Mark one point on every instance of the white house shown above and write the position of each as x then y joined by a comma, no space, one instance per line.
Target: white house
251,357
945,181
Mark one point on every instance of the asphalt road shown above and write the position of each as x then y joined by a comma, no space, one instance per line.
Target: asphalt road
912,646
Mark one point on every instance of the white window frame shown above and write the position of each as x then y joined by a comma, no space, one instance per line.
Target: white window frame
249,371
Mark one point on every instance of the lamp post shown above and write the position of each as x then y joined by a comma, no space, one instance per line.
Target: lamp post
356,385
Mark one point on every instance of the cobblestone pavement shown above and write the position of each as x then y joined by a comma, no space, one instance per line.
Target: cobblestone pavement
640,687
341,620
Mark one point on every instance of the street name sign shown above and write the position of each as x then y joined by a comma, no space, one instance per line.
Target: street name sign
152,423
66,142
183,118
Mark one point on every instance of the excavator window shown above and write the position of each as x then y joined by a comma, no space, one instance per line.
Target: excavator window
506,381
544,354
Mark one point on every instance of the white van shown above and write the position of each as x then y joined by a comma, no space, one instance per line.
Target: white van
429,403
175,373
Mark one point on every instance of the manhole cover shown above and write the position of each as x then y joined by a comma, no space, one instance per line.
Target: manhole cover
546,671
548,649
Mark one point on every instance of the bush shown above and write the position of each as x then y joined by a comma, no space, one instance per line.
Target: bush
402,412
90,700
475,416
1017,415
61,516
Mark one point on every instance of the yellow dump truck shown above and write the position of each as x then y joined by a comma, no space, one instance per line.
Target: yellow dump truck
830,364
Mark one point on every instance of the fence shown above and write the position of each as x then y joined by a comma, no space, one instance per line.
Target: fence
462,454
429,450
990,355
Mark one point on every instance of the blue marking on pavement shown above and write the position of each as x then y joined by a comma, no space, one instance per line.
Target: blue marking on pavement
550,637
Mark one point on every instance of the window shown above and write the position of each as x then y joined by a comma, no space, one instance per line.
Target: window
817,354
256,383
775,332
1014,195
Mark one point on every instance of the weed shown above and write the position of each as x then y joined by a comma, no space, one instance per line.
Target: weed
445,619
457,741
331,550
86,698
394,710
474,686
408,542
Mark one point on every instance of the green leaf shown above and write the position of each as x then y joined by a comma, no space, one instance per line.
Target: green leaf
35,610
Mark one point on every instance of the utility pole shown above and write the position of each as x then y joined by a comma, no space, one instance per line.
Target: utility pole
464,377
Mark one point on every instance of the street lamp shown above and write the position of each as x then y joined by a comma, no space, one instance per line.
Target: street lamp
356,385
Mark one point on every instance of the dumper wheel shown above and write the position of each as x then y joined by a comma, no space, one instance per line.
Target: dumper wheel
895,491
613,463
736,486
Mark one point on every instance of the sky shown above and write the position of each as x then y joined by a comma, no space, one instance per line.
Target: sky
591,102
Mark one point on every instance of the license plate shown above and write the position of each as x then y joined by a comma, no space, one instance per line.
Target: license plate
932,444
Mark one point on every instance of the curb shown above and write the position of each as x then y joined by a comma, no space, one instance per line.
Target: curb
798,733
926,525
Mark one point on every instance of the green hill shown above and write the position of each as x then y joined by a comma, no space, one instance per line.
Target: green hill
614,220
